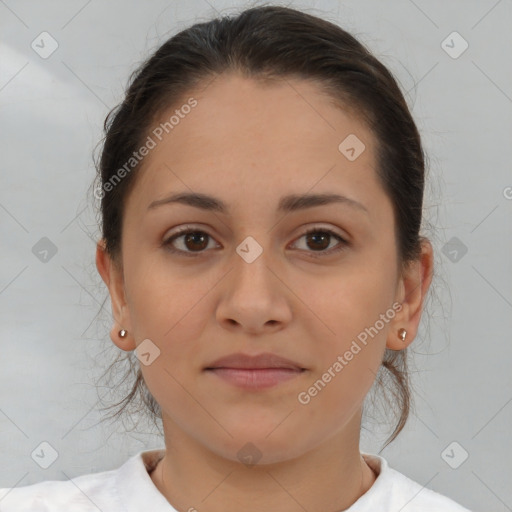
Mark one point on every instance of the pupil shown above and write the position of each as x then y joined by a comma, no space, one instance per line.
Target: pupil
325,236
192,236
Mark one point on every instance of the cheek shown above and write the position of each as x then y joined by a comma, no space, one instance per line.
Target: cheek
167,309
355,308
160,297
349,357
351,299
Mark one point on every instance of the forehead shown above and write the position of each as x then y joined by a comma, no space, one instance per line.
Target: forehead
287,116
263,138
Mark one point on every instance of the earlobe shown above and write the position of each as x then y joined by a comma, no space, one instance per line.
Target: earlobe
122,339
413,287
399,338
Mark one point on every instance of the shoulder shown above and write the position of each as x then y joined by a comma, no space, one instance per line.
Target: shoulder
129,487
80,494
422,499
393,491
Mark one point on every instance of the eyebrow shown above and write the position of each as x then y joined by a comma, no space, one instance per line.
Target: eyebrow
289,203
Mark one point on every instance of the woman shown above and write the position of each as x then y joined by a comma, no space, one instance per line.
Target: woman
261,193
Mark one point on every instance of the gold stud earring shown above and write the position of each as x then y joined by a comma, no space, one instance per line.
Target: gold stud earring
402,333
123,333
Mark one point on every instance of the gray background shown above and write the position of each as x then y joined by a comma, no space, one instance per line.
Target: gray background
54,342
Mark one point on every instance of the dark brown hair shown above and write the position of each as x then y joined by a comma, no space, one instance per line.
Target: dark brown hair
273,43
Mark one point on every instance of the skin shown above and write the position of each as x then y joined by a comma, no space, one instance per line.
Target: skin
249,144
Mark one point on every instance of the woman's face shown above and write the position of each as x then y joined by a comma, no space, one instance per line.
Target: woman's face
250,281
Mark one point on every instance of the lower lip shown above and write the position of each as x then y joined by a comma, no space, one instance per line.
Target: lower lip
255,379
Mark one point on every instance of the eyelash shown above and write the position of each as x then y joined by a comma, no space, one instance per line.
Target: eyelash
185,231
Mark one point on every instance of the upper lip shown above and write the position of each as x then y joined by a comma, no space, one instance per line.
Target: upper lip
245,361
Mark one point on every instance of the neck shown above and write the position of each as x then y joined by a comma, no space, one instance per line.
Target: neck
330,477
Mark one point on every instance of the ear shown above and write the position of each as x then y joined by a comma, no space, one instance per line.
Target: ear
112,275
411,292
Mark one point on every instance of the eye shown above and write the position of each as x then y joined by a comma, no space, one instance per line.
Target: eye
195,242
318,237
192,239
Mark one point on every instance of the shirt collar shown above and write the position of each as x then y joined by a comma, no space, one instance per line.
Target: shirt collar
381,488
136,489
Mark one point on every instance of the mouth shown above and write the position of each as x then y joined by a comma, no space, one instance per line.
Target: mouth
255,372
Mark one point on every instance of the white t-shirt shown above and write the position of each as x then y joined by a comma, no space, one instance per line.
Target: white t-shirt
129,488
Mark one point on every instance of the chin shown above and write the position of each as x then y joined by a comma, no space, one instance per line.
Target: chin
261,425
259,444
260,452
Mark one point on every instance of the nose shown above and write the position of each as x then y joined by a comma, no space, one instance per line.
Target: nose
254,297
